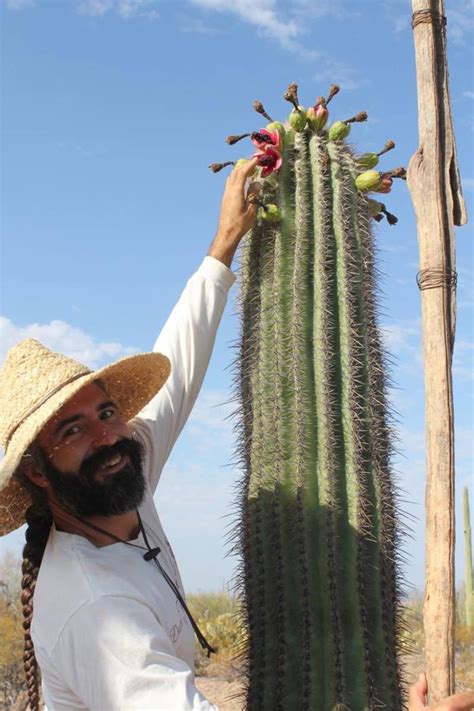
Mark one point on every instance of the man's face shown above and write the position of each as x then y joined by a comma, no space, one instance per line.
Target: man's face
91,463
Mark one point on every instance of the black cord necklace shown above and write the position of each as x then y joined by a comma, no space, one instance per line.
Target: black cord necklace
152,554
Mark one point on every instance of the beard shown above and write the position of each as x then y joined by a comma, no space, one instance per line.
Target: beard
82,495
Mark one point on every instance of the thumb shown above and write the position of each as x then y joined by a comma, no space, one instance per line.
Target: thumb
417,694
253,194
254,190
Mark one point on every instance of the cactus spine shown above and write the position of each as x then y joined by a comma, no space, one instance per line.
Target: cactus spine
468,554
317,530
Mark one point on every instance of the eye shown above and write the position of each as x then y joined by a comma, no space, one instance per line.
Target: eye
70,431
107,414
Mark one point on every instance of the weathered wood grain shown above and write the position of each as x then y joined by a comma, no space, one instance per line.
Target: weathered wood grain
434,183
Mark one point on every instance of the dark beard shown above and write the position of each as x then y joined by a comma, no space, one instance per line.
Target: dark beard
119,493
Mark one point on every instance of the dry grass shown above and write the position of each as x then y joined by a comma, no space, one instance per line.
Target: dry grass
217,615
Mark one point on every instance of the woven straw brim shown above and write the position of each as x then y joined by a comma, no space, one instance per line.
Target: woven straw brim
130,383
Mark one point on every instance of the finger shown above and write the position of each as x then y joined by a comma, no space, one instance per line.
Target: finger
460,702
254,189
244,171
417,692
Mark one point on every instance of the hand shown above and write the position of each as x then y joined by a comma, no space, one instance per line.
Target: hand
237,214
417,699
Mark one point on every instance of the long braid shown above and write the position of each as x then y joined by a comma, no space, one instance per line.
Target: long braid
39,520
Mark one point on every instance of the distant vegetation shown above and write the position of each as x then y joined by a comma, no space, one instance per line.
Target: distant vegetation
217,616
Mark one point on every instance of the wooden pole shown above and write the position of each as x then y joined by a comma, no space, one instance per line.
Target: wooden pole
468,556
434,183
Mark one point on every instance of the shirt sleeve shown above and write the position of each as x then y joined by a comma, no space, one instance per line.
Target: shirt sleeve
113,654
187,339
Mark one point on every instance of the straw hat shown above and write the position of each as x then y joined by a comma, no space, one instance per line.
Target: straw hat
35,382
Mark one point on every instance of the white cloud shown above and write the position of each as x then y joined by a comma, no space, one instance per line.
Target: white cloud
196,25
19,4
126,9
62,337
262,14
337,72
468,94
210,423
401,23
460,16
463,360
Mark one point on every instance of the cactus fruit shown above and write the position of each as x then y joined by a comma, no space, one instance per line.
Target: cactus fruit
276,126
370,160
297,119
271,213
338,131
318,115
318,523
368,180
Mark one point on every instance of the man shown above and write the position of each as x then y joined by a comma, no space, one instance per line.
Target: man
110,628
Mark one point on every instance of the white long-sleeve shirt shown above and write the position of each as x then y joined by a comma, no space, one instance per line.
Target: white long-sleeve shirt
109,633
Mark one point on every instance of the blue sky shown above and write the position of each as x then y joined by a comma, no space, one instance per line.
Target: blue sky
112,110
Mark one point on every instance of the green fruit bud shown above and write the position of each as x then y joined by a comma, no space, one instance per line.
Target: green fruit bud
298,119
276,126
368,160
272,213
375,207
338,131
369,180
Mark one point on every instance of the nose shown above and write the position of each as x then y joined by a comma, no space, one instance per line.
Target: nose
103,435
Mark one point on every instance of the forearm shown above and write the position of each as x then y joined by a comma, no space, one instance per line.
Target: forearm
237,214
223,248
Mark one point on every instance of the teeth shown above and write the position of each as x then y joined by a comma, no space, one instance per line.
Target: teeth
112,461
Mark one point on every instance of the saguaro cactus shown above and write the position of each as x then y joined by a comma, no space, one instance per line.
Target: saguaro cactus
318,523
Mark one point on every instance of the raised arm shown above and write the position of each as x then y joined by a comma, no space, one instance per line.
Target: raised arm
189,334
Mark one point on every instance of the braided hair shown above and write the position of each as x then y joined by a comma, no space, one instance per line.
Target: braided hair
39,520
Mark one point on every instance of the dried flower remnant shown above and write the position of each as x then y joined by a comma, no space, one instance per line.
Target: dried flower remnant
291,95
259,108
235,139
385,184
216,167
333,90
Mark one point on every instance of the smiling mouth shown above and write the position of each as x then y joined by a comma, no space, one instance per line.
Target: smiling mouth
113,464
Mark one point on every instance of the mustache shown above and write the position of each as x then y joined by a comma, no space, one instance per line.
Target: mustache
92,464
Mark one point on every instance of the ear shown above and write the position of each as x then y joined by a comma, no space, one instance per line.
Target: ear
31,470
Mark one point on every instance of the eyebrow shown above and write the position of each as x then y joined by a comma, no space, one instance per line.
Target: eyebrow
75,418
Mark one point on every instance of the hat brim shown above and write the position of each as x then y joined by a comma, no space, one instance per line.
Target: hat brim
130,383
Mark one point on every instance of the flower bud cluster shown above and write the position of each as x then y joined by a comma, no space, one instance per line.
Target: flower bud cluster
270,141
